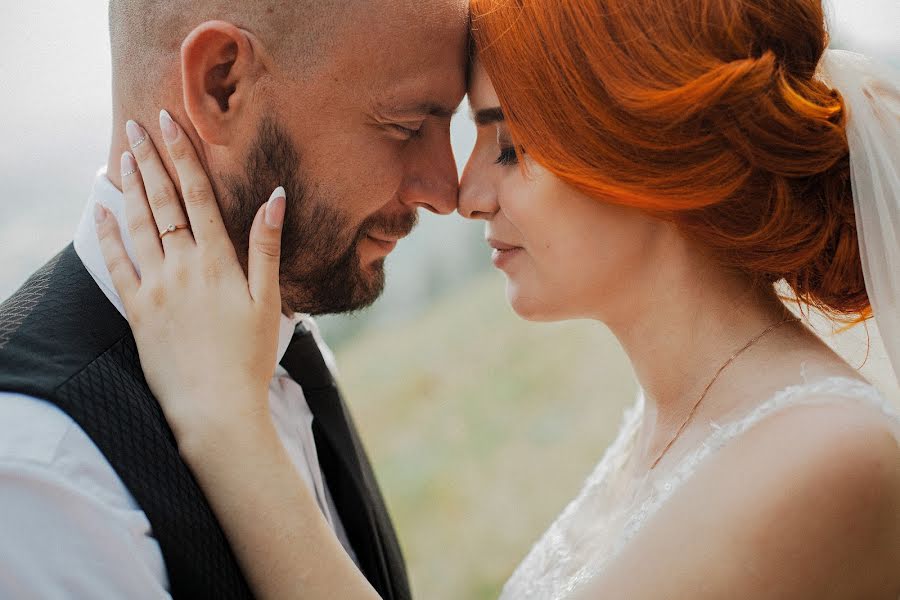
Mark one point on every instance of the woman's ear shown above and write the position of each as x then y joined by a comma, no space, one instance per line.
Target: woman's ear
218,68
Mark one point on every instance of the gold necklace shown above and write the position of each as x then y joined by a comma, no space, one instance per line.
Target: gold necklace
716,376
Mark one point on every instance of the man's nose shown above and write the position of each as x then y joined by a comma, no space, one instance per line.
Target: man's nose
431,180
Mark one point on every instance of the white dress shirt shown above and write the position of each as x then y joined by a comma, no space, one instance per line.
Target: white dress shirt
68,525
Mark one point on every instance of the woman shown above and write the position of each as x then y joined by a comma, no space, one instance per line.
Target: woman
655,166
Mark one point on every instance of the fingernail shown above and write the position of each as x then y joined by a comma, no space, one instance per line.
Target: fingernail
168,126
136,134
275,208
129,165
99,214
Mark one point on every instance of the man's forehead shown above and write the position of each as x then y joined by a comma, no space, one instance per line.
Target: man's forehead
418,68
406,33
416,87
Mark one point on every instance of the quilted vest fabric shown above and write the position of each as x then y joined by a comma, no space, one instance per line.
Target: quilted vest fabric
61,340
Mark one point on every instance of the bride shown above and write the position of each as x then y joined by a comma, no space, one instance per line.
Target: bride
658,167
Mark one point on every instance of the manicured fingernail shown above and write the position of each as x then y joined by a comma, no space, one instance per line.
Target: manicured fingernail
129,165
99,214
275,208
136,134
168,126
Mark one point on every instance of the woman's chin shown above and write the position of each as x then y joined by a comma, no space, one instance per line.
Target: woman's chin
529,305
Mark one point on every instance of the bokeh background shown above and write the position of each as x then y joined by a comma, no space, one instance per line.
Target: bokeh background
481,426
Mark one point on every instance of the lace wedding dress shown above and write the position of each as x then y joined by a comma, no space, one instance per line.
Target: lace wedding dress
602,519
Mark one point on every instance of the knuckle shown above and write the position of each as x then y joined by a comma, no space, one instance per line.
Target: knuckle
270,249
181,274
156,296
196,197
160,198
214,268
178,150
104,230
117,263
138,225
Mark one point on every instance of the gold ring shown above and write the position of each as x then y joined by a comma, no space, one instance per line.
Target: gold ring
171,229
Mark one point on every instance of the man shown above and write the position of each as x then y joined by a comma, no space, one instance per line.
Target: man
347,104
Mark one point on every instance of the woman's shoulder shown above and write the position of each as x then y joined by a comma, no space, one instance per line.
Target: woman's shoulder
839,433
806,501
816,468
836,434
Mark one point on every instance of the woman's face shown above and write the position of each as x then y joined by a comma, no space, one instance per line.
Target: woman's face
565,255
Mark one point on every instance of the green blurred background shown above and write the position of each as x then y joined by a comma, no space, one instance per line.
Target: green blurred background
481,426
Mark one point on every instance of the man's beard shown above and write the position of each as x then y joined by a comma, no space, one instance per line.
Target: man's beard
320,265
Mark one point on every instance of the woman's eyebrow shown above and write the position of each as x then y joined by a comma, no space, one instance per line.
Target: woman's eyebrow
488,116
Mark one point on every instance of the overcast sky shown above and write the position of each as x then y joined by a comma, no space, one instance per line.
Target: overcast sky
55,114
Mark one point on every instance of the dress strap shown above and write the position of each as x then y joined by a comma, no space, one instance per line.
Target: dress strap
833,390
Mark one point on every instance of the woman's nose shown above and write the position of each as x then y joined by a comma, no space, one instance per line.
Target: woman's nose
477,194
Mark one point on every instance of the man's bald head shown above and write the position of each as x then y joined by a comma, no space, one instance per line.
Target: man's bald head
146,35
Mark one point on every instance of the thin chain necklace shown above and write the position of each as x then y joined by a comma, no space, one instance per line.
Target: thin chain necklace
716,376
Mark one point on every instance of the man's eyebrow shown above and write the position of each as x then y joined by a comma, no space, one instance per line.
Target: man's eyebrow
488,116
428,109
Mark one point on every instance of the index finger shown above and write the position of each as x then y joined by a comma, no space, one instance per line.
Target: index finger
196,190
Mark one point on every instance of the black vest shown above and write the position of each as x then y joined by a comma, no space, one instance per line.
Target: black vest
61,340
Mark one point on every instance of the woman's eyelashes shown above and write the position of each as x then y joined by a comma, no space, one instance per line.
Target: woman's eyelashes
508,156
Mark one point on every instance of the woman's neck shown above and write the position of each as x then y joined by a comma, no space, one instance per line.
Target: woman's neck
682,334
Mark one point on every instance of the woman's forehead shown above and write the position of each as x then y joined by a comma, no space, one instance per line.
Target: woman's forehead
481,91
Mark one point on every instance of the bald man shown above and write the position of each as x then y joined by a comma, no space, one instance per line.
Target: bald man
347,104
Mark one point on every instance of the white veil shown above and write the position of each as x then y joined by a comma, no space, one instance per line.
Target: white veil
872,98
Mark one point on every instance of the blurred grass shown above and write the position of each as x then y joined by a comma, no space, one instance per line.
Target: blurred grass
482,427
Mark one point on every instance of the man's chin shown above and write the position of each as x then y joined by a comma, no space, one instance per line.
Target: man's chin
366,287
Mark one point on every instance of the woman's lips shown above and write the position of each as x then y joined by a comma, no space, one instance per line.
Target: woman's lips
503,253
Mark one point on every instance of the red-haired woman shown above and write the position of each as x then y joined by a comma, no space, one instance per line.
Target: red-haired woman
657,166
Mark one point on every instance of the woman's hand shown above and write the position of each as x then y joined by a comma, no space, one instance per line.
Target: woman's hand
207,336
206,333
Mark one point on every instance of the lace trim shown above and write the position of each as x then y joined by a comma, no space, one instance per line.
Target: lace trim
554,546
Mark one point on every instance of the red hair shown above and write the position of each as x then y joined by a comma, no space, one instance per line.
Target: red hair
706,112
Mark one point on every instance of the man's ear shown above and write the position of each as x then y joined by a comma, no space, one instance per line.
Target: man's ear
218,69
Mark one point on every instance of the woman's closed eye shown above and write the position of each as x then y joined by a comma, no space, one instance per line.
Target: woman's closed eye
508,156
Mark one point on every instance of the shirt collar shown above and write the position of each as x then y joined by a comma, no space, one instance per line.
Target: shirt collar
87,246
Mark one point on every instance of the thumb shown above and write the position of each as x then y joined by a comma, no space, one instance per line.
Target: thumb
265,250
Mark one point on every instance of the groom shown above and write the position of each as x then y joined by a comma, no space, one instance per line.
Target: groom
347,104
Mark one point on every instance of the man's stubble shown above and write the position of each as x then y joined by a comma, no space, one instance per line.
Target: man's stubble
320,265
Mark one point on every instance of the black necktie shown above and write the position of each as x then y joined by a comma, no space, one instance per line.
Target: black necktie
346,469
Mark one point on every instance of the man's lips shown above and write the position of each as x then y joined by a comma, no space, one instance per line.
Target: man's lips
385,242
386,239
